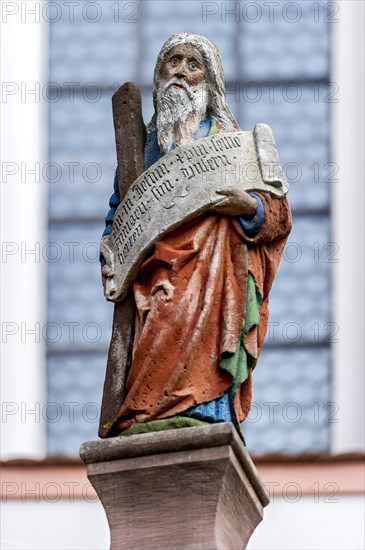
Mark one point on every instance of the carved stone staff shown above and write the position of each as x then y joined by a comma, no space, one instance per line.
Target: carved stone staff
130,135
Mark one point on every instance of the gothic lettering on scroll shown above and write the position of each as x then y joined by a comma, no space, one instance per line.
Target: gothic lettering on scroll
150,178
125,244
203,166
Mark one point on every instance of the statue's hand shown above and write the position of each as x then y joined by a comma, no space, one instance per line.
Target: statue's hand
236,202
106,273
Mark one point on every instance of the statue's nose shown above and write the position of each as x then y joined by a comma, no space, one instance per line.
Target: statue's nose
181,75
181,70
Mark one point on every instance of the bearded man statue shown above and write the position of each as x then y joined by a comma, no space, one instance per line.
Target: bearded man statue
201,295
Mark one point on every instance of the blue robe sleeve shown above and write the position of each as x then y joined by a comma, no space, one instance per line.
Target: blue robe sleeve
252,227
113,203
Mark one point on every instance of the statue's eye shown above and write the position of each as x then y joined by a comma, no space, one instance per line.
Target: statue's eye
174,61
193,66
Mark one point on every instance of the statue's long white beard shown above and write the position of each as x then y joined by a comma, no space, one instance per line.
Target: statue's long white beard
179,112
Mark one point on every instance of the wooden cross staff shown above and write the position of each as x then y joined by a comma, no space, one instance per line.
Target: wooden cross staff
130,136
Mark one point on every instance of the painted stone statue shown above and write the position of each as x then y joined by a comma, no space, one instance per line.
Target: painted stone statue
191,247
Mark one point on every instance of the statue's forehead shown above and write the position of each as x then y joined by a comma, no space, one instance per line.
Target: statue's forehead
185,50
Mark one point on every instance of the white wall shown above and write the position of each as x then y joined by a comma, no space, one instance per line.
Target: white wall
348,145
63,525
310,525
24,51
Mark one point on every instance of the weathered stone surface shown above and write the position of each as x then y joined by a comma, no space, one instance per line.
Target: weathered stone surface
119,359
128,121
268,158
182,185
186,489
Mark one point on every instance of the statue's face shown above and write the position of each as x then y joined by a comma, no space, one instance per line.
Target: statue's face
184,61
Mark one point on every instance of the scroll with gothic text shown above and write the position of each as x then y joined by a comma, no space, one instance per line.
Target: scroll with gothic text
182,185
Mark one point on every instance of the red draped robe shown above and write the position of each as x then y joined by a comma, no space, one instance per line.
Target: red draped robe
190,301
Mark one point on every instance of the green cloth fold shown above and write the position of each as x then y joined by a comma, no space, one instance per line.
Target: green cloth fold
239,363
163,424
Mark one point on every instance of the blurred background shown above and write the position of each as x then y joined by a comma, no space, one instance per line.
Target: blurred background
288,64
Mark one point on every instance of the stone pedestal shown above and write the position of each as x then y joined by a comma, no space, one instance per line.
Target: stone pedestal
185,489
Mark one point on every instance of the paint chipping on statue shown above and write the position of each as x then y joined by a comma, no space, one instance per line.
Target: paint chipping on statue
198,222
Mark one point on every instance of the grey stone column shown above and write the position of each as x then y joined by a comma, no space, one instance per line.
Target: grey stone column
185,489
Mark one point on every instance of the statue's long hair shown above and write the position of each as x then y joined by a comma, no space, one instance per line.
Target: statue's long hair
217,94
